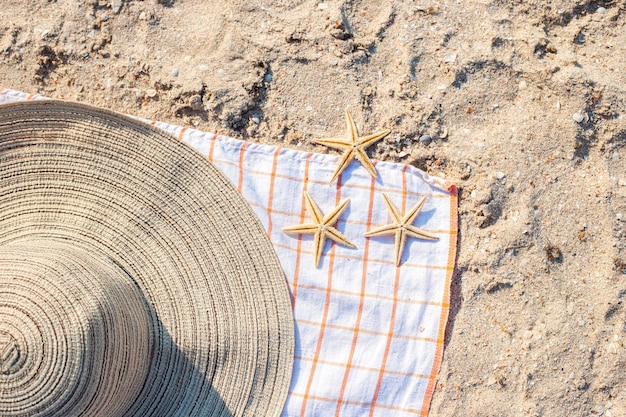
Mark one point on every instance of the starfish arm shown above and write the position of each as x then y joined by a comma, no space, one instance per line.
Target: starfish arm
306,228
338,237
419,233
318,245
337,143
395,214
332,217
389,229
351,128
343,163
315,211
366,161
400,242
367,141
412,214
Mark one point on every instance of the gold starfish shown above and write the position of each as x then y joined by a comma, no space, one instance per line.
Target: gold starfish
354,147
402,227
322,227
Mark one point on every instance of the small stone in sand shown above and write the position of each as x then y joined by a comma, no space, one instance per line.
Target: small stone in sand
203,67
580,117
450,58
601,10
116,5
500,175
175,72
195,102
425,139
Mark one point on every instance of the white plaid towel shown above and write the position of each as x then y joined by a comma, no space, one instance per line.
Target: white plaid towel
369,334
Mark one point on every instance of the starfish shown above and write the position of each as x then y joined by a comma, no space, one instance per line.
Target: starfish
354,147
322,227
402,227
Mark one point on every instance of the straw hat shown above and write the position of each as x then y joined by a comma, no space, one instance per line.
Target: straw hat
134,279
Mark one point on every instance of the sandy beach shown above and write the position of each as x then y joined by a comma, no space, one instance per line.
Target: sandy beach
521,104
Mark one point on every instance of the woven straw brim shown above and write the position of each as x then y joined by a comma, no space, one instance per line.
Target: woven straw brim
123,247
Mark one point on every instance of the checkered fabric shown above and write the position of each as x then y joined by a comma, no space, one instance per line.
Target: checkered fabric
369,334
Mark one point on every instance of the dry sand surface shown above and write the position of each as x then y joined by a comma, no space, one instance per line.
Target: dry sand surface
521,103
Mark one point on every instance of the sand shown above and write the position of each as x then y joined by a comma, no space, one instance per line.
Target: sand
520,103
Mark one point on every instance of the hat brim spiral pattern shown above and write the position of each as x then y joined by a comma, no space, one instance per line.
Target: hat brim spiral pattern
98,196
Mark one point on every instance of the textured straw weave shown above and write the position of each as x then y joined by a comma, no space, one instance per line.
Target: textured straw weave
134,279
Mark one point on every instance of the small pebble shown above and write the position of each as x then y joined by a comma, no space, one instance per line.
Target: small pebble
203,67
522,85
500,175
557,106
195,102
151,92
142,16
104,17
174,72
601,10
322,6
425,139
619,217
256,120
578,117
309,108
450,58
402,154
268,77
116,5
